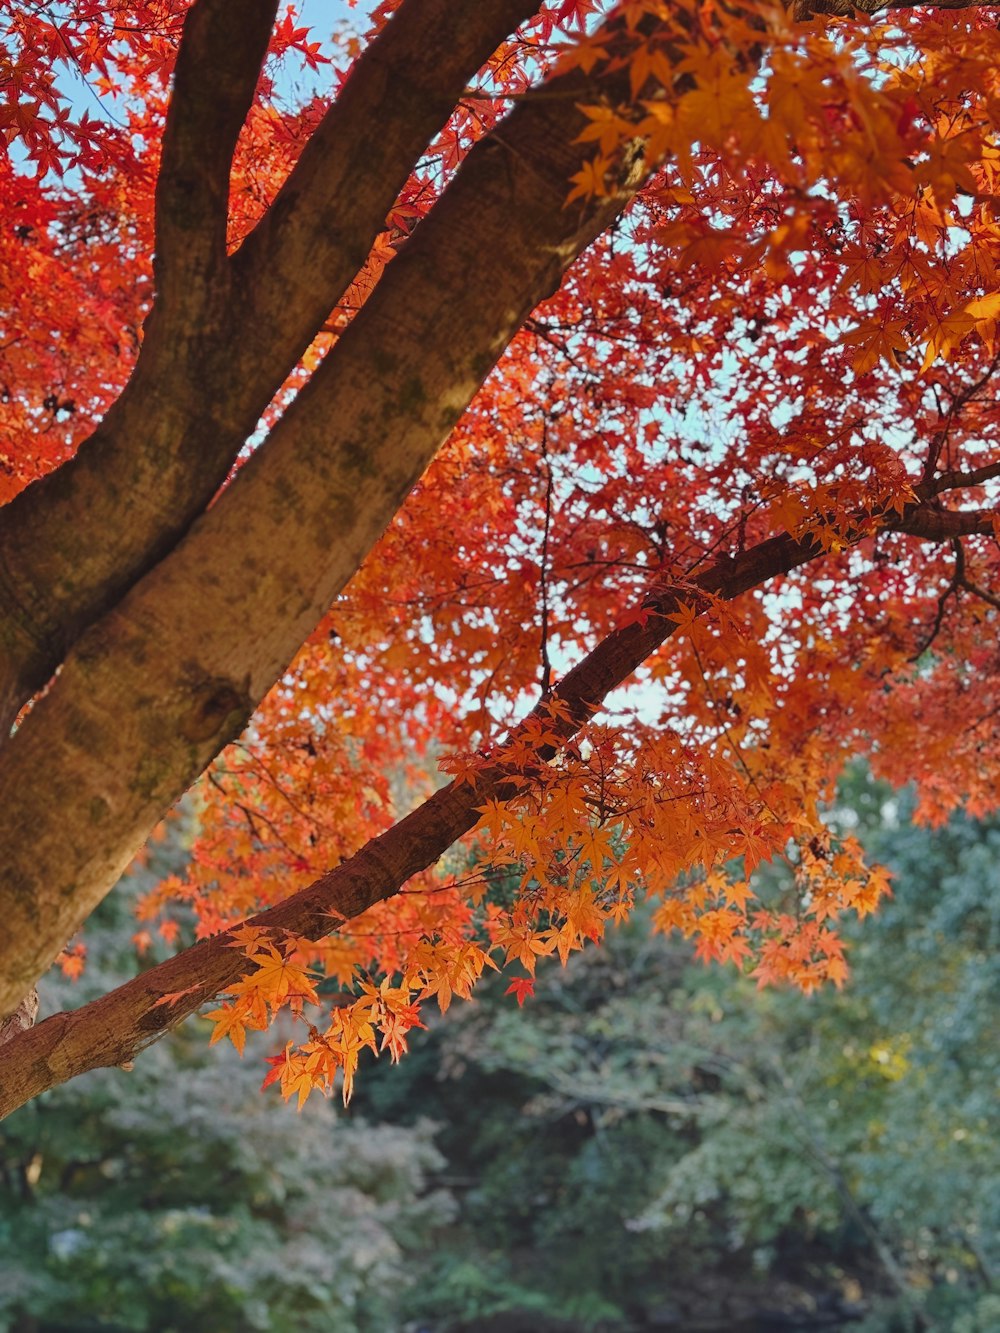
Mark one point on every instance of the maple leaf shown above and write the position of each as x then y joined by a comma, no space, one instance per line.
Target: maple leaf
230,1021
277,980
522,988
738,893
277,1063
590,180
248,938
876,341
173,997
685,616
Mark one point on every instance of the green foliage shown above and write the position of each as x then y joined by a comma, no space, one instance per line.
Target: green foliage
177,1197
646,1140
644,1124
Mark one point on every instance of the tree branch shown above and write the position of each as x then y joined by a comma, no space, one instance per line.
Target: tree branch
222,49
977,590
955,479
297,261
224,336
73,542
956,581
808,9
937,525
114,1029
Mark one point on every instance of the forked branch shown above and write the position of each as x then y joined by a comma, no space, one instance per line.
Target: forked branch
224,335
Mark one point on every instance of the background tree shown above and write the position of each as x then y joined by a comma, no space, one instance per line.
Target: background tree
176,1199
652,1143
773,364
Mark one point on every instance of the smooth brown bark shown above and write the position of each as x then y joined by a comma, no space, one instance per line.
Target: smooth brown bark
114,1029
218,64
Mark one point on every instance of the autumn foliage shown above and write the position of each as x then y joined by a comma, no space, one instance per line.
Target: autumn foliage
723,515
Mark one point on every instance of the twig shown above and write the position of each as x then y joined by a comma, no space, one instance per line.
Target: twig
955,583
543,580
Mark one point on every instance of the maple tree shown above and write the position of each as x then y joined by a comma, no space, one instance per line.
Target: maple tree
540,350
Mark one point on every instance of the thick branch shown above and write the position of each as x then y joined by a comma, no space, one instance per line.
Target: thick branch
938,525
153,691
112,1030
213,359
70,544
219,61
807,9
956,479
